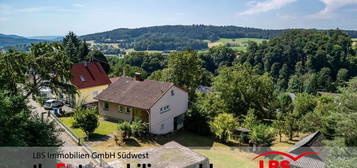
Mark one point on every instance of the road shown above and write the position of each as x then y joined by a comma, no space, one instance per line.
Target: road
69,144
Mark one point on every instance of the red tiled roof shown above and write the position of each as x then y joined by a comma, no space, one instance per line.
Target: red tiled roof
130,92
88,75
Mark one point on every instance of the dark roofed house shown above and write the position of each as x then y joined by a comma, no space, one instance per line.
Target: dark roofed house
161,104
90,79
311,143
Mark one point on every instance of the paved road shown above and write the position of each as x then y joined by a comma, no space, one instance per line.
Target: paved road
38,109
69,144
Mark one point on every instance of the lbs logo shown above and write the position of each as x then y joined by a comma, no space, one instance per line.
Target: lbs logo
281,163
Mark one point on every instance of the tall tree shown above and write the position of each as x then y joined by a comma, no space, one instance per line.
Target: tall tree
242,88
97,56
19,128
45,66
71,45
347,113
185,69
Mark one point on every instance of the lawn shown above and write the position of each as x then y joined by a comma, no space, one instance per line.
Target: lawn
240,40
238,44
226,158
104,129
220,155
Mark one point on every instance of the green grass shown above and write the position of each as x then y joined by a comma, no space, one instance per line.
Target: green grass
104,129
240,40
228,159
238,44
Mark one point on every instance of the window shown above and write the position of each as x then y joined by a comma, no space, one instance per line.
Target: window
162,126
127,110
119,109
106,107
172,93
81,77
164,109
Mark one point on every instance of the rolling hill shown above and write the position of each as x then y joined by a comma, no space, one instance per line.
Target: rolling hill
177,37
8,40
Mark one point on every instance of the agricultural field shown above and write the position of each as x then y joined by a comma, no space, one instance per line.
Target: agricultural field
239,44
354,42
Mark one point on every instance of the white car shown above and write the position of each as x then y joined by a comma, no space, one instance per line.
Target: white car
51,103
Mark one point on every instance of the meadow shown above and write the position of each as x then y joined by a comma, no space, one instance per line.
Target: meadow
238,44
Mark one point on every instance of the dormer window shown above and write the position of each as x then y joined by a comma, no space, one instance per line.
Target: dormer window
81,77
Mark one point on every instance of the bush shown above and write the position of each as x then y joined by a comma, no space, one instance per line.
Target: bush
223,126
262,135
139,128
125,127
136,128
86,119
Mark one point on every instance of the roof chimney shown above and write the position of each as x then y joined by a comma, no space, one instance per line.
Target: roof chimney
138,76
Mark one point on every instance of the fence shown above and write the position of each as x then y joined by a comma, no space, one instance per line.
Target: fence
76,139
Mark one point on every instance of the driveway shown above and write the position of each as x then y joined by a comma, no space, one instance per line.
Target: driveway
69,144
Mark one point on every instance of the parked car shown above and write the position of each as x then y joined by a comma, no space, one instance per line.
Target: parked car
57,111
50,104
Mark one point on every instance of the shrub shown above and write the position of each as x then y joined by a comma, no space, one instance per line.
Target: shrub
262,135
139,128
125,127
223,126
136,128
86,119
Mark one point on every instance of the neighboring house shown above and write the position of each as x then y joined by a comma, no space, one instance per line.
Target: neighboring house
161,104
90,79
311,143
169,155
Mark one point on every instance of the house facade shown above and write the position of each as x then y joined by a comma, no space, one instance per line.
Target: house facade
90,79
161,104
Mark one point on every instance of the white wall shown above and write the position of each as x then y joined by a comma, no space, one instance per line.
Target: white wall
178,105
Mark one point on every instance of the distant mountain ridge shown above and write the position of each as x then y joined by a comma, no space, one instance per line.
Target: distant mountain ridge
173,37
169,37
49,38
13,40
7,40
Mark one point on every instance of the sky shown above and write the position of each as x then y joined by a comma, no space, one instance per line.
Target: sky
58,17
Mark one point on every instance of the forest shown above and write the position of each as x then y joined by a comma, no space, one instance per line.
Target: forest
179,37
297,83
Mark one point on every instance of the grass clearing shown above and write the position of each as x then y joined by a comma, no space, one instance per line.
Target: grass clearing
104,129
238,44
226,158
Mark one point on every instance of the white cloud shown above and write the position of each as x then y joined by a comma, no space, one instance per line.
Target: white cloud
268,5
333,5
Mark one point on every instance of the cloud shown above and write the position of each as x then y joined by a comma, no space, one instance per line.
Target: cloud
333,5
78,5
268,5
